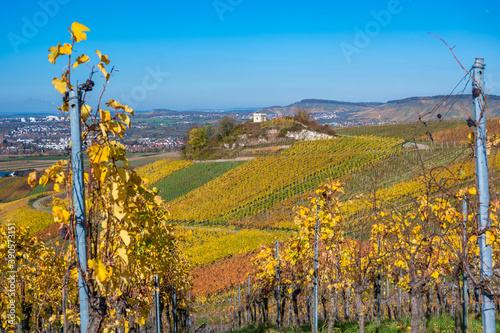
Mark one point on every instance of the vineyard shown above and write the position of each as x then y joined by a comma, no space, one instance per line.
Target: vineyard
206,245
450,132
153,172
381,226
192,177
23,215
399,183
263,182
253,204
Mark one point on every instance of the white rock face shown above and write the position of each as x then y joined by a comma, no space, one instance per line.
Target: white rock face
307,135
410,145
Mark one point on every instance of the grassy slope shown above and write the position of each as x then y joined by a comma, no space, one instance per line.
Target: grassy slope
439,324
186,180
39,189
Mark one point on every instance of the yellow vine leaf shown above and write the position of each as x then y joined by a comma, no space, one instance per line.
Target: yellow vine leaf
122,253
80,60
472,191
78,31
60,85
105,115
125,119
85,112
118,211
65,48
117,105
124,175
54,53
125,237
490,237
102,273
103,70
435,275
103,58
97,154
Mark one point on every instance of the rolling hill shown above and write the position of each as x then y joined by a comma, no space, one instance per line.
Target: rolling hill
403,110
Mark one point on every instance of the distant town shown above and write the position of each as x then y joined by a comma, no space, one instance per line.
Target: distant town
152,131
50,135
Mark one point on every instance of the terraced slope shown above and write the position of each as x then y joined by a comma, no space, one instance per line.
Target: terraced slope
160,169
23,215
454,131
265,181
13,188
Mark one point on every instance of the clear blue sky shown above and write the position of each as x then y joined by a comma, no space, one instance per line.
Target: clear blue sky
249,53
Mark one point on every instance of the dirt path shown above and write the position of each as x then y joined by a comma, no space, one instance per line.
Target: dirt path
38,203
169,155
38,206
248,158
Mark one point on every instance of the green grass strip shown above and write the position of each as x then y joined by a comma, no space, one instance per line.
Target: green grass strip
188,179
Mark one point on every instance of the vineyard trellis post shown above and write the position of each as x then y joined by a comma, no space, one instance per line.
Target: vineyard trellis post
378,289
347,304
188,314
239,307
488,306
464,276
315,283
388,305
278,317
249,307
151,315
157,305
452,300
174,309
308,305
79,203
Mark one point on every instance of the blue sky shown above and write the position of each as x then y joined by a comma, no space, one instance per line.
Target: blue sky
185,54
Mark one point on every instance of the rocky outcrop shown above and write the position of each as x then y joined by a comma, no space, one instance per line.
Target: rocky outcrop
307,135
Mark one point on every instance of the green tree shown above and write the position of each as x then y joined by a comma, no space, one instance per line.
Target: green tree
225,127
198,139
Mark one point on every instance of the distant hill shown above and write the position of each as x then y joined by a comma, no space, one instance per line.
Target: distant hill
344,110
158,112
402,110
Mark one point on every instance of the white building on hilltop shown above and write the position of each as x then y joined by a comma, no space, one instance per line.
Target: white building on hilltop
259,117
